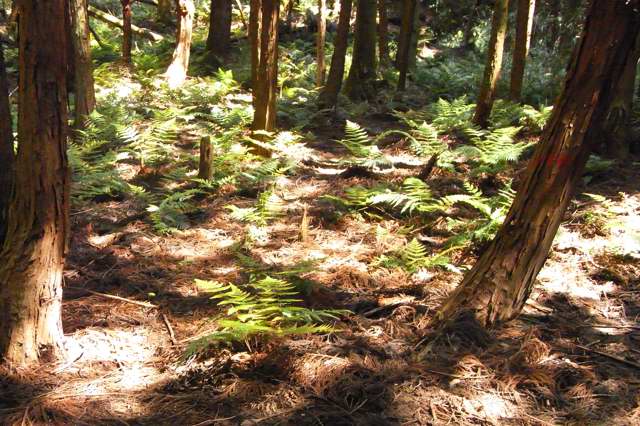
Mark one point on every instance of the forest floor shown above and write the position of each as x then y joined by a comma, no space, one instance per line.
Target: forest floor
572,357
132,307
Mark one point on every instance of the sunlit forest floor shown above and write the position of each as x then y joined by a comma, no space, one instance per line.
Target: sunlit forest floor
144,229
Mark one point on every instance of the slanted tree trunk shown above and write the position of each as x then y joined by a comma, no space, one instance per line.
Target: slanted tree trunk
501,281
32,256
165,11
127,35
383,33
219,38
322,31
362,74
6,146
494,63
85,96
264,66
177,72
329,95
524,26
618,123
407,29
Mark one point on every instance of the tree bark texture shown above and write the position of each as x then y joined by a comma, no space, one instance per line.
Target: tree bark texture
264,38
6,146
320,42
219,38
618,124
383,33
127,35
32,256
329,95
165,11
524,26
494,63
85,96
407,29
177,72
500,283
362,74
205,168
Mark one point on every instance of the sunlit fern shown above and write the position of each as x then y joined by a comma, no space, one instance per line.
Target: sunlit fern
170,214
269,206
362,148
267,307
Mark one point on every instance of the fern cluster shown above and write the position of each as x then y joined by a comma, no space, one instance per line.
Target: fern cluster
362,148
266,307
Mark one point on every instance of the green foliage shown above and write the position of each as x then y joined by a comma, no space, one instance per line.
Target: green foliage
268,207
362,148
170,214
267,307
534,120
412,257
483,228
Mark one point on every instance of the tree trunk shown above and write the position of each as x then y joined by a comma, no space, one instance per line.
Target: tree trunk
85,96
501,281
32,257
322,31
165,11
524,26
177,72
362,74
205,169
219,38
383,33
404,44
127,36
264,21
290,6
494,63
6,146
329,95
618,123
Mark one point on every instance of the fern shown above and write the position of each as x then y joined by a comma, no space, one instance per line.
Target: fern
267,307
268,207
170,214
362,148
412,257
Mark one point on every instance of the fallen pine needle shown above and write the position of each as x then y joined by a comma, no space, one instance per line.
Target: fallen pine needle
172,335
121,299
610,356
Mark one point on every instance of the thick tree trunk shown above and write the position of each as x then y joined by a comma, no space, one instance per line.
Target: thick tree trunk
383,33
32,256
264,21
329,95
85,96
177,72
219,38
320,42
362,74
501,281
618,123
165,11
127,36
6,146
407,29
494,63
524,26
